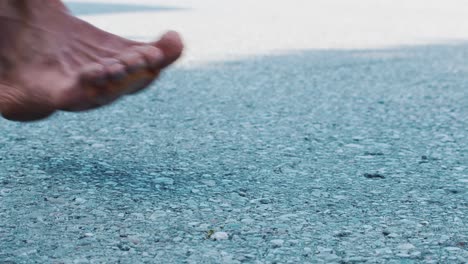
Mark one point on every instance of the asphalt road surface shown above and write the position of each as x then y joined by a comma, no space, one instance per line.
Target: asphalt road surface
312,156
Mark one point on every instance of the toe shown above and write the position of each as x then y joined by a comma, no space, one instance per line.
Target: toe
140,84
94,74
153,56
171,46
133,61
115,70
90,88
107,79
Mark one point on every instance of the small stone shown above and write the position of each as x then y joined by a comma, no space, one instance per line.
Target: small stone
163,180
424,223
370,153
248,221
383,251
277,242
293,242
204,226
406,247
287,217
157,215
374,176
79,200
97,145
344,233
330,258
220,236
123,247
134,239
209,183
80,261
357,146
403,255
177,239
249,256
443,240
260,200
242,194
138,216
193,224
232,226
324,249
452,248
356,259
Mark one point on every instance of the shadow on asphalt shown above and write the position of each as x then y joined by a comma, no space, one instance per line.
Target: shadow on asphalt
79,8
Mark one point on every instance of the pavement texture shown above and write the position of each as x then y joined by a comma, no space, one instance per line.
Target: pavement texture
312,156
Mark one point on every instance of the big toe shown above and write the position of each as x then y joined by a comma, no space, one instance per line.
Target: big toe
171,45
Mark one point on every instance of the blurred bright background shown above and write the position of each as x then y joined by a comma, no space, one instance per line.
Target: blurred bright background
228,29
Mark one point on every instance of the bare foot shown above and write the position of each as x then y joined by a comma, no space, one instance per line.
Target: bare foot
50,60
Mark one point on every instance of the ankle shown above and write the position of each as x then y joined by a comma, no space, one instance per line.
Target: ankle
28,9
